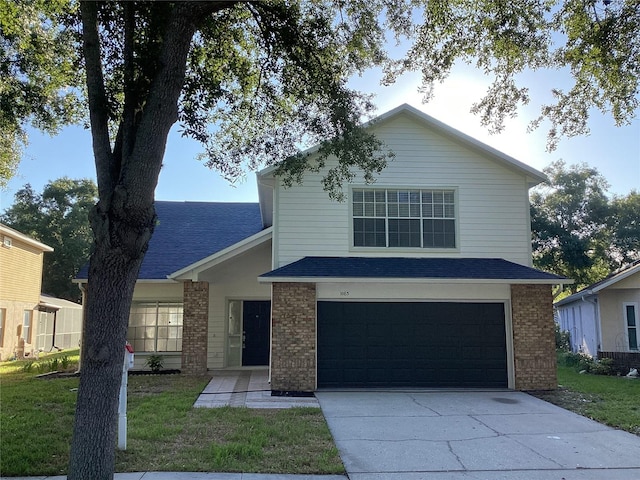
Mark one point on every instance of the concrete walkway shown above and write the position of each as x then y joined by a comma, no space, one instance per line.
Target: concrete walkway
198,476
246,388
491,435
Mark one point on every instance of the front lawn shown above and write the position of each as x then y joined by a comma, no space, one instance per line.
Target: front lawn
614,401
165,432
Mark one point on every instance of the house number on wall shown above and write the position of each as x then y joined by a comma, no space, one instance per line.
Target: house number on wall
344,293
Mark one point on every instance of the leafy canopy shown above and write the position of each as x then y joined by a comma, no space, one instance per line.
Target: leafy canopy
253,94
577,230
58,217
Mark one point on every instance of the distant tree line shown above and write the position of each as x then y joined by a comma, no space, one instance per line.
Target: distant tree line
58,217
577,230
580,232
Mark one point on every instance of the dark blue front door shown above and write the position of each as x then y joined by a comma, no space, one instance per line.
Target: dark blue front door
256,316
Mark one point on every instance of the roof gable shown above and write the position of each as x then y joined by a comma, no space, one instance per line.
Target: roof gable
534,176
611,280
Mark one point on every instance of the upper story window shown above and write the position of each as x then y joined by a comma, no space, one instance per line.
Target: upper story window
404,218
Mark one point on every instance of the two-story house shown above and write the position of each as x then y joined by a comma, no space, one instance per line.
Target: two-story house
421,279
21,260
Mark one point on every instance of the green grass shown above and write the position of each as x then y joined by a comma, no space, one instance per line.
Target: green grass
165,433
614,401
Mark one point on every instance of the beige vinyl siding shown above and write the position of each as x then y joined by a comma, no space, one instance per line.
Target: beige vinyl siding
611,302
236,279
20,272
491,200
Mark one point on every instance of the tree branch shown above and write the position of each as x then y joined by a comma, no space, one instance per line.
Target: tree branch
161,109
98,108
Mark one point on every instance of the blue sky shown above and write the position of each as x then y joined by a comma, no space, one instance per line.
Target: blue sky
614,151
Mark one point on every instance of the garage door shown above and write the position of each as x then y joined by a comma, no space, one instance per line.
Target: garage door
417,344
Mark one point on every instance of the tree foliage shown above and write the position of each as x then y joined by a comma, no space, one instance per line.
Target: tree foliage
58,217
38,72
624,220
254,81
577,230
595,41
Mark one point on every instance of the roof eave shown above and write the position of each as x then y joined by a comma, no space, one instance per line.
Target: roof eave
616,278
24,238
430,280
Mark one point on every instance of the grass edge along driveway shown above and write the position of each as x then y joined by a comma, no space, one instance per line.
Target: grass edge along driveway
165,433
612,400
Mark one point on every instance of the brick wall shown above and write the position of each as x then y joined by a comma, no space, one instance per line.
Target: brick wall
533,337
195,328
293,330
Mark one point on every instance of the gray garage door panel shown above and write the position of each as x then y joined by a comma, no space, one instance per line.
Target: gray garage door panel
411,344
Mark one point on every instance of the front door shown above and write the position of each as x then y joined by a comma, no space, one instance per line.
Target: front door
256,317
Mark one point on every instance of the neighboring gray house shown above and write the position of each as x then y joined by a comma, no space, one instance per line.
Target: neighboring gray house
422,279
604,317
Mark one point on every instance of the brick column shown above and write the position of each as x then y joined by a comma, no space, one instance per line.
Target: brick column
195,328
533,337
293,337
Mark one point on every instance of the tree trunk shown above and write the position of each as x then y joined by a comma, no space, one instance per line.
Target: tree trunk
114,267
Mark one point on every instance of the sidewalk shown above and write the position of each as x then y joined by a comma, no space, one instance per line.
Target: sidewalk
199,476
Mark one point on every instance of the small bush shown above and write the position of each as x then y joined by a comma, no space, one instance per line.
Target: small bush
563,340
572,359
28,367
155,363
65,362
54,363
582,362
604,366
42,367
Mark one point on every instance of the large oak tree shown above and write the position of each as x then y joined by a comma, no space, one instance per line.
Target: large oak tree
254,81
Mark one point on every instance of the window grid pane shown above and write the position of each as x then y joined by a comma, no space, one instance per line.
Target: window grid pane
377,214
155,327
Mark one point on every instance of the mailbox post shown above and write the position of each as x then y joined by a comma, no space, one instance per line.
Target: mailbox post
122,406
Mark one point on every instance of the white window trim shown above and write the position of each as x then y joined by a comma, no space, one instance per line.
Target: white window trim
395,250
27,335
626,325
158,304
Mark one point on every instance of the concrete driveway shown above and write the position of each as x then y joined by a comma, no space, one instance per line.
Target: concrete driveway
479,435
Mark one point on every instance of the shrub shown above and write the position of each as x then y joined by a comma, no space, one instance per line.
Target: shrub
155,363
65,362
28,367
572,359
604,366
42,367
563,340
54,363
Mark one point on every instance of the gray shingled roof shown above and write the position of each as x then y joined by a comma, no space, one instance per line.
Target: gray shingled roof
411,268
190,231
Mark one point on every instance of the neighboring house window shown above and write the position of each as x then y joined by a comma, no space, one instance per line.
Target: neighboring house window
26,326
404,218
631,317
155,327
3,317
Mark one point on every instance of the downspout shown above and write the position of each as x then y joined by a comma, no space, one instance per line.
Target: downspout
596,311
